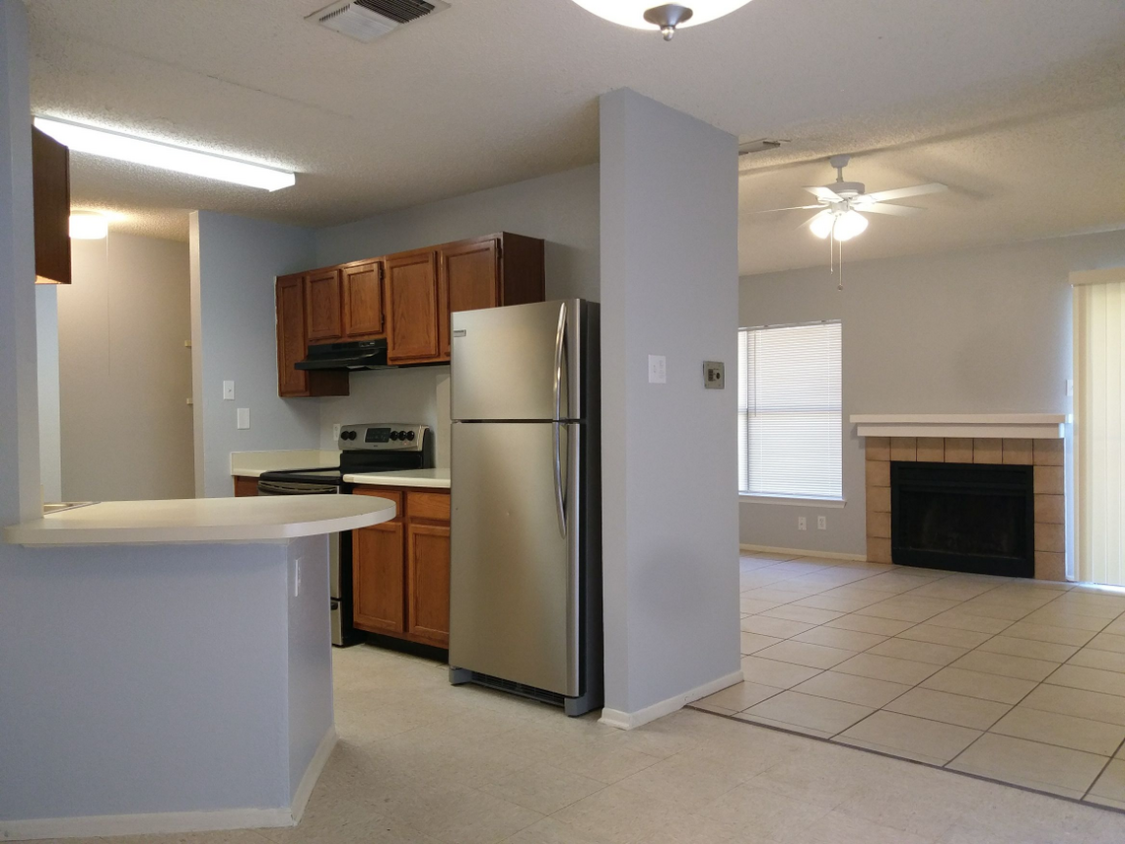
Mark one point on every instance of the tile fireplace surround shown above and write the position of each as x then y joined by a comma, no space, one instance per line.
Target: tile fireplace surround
1046,455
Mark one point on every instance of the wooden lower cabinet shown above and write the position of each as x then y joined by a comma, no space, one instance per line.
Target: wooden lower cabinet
401,569
244,487
378,586
427,577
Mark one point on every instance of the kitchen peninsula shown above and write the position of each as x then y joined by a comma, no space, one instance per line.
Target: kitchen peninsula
197,630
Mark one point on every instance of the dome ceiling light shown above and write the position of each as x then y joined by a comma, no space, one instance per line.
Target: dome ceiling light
666,17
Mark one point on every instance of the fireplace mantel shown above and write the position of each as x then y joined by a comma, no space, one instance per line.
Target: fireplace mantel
1036,426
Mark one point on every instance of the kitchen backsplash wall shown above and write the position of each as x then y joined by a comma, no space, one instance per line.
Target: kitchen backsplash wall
418,394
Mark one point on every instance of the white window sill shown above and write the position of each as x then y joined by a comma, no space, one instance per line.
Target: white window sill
793,501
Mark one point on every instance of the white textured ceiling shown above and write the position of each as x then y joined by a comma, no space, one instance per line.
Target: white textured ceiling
495,91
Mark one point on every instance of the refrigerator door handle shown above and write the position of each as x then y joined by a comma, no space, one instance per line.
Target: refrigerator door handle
560,343
560,503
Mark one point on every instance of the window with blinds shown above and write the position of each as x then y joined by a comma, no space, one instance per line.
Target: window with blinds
789,420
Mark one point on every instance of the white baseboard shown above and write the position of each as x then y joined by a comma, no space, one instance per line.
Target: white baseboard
100,826
632,720
801,552
312,774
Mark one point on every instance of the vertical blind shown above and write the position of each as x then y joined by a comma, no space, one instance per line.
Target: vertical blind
789,410
1099,321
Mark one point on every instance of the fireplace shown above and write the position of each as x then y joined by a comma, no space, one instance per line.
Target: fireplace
968,517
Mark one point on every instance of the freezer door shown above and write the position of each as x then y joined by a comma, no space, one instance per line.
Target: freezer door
514,568
518,362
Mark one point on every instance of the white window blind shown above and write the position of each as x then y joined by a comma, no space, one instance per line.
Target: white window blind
1099,403
789,410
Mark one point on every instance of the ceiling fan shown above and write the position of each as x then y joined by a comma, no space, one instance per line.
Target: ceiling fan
840,203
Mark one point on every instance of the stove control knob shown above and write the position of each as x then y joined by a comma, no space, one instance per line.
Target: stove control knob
394,435
410,435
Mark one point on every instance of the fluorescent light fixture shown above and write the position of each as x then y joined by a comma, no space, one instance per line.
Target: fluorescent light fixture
109,144
88,225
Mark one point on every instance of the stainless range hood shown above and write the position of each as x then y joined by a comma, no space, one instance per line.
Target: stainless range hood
362,354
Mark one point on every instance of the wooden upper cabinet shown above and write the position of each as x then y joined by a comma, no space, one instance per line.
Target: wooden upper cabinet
362,286
292,346
469,280
50,170
291,343
412,307
323,308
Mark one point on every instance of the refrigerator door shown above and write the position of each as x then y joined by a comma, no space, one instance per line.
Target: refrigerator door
518,362
514,569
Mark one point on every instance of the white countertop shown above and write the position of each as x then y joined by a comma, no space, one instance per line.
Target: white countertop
429,478
250,519
251,464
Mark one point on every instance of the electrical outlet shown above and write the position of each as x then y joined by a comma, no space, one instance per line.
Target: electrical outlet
228,391
822,523
801,523
242,418
297,578
657,369
336,431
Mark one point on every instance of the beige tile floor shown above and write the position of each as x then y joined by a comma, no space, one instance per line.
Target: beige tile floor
1014,680
421,762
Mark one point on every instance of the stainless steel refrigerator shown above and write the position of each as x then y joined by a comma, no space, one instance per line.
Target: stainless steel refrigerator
525,579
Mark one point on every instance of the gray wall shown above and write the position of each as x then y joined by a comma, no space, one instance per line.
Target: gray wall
47,353
976,331
669,286
234,261
561,208
124,371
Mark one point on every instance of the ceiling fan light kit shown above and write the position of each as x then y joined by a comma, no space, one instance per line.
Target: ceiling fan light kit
668,18
838,206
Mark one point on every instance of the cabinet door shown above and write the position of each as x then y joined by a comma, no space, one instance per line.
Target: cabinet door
244,487
427,572
412,307
470,279
363,301
378,588
50,179
322,306
291,343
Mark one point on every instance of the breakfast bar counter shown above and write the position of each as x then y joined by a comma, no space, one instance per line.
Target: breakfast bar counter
167,665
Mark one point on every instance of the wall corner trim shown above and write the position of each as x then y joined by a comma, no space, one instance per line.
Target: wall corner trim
632,720
312,773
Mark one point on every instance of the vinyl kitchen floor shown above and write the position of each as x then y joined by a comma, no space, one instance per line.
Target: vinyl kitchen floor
420,762
1017,681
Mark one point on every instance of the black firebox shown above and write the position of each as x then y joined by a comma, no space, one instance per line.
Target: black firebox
977,518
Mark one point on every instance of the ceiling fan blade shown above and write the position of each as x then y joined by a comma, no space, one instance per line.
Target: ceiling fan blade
902,193
825,194
791,208
887,208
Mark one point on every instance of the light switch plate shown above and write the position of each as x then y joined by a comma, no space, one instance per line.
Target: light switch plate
714,374
657,369
243,418
228,391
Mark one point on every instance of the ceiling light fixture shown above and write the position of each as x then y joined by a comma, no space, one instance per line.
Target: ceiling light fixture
668,17
109,144
88,225
842,225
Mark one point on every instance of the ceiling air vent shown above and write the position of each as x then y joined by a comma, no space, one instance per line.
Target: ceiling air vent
366,20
